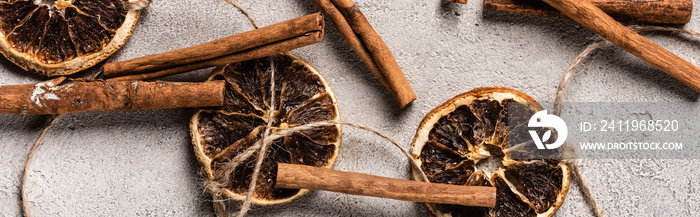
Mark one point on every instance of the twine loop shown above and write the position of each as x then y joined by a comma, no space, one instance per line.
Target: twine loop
566,79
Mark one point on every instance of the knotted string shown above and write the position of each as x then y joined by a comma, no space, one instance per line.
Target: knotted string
221,179
266,143
216,185
585,190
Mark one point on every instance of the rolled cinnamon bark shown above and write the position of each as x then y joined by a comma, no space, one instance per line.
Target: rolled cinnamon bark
296,176
588,15
258,52
369,46
306,26
640,11
60,95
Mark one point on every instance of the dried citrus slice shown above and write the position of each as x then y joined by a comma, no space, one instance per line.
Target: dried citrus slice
61,37
457,137
302,96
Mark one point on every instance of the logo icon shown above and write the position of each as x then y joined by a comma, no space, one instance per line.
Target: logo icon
542,119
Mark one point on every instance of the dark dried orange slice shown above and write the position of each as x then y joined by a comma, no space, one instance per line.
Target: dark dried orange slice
61,37
455,139
302,96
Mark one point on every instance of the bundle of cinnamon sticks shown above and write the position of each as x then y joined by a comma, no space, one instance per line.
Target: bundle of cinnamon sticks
127,92
273,39
352,25
359,34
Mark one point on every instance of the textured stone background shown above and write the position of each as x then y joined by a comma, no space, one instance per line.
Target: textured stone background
141,163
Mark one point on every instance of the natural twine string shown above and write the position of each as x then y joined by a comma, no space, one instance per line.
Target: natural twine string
133,5
564,84
244,11
222,178
216,185
25,170
593,46
262,154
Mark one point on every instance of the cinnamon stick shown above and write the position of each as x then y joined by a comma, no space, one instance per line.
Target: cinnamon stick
359,34
61,95
254,53
297,176
639,11
309,27
591,17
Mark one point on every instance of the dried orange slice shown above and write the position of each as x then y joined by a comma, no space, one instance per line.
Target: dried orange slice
456,138
62,37
302,96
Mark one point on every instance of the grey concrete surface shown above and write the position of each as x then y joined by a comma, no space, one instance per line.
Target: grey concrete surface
141,164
